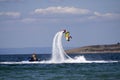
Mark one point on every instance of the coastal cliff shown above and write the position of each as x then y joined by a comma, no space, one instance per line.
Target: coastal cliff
111,48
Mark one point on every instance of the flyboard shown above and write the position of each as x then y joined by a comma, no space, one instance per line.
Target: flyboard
58,53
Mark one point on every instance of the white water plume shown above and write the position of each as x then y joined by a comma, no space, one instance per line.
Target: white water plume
58,53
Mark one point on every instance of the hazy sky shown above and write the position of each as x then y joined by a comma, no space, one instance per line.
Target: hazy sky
33,23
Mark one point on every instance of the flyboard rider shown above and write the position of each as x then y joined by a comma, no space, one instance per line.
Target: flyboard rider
67,35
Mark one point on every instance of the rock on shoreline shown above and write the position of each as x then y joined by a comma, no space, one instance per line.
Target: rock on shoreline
111,48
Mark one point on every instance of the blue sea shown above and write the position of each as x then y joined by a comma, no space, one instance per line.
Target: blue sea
99,67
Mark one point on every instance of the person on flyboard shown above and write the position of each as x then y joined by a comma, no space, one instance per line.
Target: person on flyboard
67,35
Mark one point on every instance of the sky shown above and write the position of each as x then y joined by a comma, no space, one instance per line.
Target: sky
33,23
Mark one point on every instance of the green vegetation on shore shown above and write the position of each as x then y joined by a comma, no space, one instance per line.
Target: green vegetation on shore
111,48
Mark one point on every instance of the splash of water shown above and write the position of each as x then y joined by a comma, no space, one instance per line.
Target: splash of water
58,53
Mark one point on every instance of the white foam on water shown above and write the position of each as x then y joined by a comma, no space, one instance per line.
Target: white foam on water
66,61
81,59
59,55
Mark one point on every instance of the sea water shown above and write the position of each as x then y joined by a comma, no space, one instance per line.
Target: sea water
58,71
60,66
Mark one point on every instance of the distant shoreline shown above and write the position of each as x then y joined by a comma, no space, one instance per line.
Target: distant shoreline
107,48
